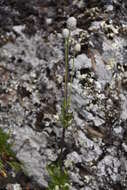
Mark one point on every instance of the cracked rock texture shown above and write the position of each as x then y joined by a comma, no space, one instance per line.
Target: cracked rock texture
32,88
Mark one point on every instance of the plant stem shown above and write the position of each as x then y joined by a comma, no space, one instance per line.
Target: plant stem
65,96
71,79
62,146
66,71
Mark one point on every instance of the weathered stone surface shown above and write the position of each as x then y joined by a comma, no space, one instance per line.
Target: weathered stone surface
32,83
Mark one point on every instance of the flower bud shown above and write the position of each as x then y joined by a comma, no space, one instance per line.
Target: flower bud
65,33
57,187
71,23
77,47
48,21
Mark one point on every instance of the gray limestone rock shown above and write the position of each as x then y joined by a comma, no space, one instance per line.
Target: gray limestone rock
31,91
81,62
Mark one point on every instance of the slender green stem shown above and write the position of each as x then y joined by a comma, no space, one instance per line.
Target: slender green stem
65,96
73,60
62,146
66,71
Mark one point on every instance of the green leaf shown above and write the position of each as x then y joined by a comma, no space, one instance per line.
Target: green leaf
58,177
66,116
5,149
15,165
1,165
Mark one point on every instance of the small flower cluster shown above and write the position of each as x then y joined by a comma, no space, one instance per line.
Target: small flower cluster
71,25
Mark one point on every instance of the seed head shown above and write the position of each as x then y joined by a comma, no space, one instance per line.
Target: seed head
71,23
65,33
77,47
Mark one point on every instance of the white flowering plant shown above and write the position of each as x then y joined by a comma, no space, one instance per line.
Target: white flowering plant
57,170
66,114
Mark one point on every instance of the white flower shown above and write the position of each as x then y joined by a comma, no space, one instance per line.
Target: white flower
17,187
49,21
71,23
56,187
77,47
65,33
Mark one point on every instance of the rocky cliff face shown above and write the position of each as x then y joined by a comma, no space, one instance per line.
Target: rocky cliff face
31,89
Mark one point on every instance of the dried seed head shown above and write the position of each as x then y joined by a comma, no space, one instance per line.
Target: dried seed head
77,47
65,33
71,23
